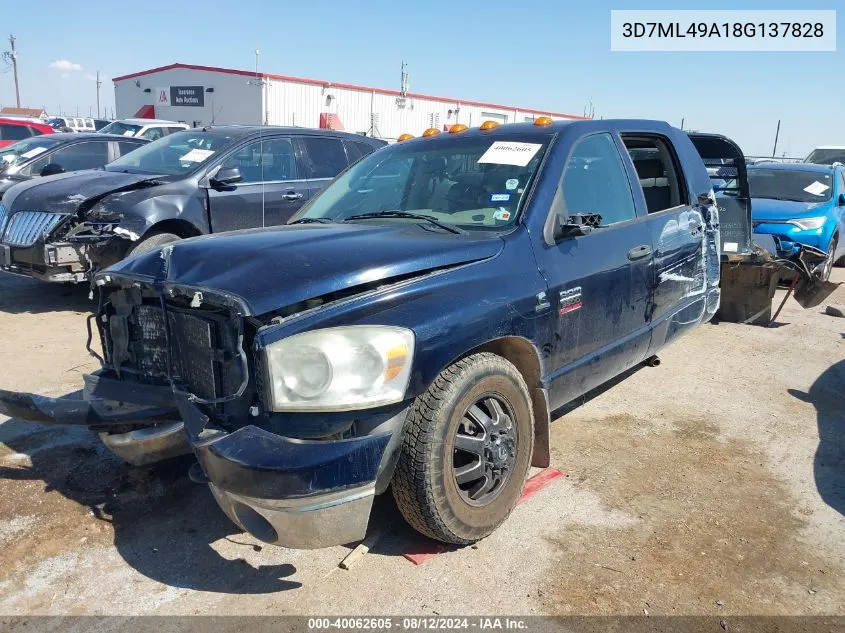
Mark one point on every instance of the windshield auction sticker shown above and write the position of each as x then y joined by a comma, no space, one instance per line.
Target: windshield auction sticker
196,155
510,153
816,189
728,30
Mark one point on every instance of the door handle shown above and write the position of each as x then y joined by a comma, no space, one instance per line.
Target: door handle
638,252
292,195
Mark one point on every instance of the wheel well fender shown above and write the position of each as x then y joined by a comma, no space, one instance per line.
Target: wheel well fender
523,355
178,227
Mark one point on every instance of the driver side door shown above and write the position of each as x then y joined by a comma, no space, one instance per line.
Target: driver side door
601,283
269,192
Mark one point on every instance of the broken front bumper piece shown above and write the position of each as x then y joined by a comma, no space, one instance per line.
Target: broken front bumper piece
296,493
105,407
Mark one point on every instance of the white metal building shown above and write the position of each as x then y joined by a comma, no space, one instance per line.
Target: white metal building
201,95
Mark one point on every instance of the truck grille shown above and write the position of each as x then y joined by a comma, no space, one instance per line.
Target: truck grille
26,227
204,350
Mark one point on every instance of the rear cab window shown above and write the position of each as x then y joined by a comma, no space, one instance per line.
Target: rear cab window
658,170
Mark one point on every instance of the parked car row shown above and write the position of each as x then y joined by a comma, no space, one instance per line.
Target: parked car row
188,183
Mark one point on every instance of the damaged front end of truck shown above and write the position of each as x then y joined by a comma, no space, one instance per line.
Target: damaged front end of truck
184,368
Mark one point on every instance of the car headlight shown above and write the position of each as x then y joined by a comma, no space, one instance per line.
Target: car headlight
339,369
807,224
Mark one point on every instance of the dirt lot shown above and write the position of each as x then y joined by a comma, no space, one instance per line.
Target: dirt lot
712,484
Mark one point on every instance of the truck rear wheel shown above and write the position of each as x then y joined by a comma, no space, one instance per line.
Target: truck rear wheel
466,450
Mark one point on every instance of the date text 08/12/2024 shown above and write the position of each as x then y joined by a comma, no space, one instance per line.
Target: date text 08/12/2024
414,623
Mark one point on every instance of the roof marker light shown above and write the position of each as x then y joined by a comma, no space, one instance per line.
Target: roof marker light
458,128
543,121
432,131
489,125
404,137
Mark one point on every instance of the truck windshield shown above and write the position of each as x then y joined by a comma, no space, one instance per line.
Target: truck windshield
25,150
799,185
123,129
471,182
173,155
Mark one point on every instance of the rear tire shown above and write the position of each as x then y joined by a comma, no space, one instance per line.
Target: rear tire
152,242
466,450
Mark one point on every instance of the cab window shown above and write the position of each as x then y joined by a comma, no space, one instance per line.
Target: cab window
325,157
88,155
14,132
658,172
154,133
595,182
264,160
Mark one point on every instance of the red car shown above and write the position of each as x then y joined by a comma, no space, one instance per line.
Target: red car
14,130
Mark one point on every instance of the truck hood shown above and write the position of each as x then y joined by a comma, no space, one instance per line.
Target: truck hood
64,193
271,269
769,209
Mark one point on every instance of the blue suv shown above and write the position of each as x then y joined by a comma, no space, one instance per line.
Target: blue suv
800,204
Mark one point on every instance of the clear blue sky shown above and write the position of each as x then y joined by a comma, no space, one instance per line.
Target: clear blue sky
550,55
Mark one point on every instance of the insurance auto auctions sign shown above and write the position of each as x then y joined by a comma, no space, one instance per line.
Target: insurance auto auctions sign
187,96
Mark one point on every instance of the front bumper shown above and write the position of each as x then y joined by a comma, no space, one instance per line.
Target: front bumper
104,402
787,237
54,262
291,492
139,423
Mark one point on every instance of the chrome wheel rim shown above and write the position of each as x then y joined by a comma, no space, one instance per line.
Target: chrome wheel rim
485,447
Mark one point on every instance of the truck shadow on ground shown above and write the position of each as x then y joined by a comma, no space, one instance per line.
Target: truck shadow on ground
827,395
164,525
21,295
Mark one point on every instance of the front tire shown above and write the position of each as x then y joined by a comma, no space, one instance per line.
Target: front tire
152,242
466,450
829,262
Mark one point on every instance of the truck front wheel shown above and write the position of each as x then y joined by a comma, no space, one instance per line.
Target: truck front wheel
466,450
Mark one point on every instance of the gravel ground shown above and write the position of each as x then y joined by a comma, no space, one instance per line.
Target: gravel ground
712,484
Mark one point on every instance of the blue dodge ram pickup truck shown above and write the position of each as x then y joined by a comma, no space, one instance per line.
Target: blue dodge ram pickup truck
414,325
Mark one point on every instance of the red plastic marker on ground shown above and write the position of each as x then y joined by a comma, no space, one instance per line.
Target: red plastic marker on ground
534,485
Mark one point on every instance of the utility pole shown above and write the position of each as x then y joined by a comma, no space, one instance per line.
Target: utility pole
11,57
98,93
777,133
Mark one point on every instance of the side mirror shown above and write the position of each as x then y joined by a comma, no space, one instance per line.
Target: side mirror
842,199
576,225
52,169
226,176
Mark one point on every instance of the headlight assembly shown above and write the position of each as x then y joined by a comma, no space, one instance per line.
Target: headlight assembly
807,224
339,369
